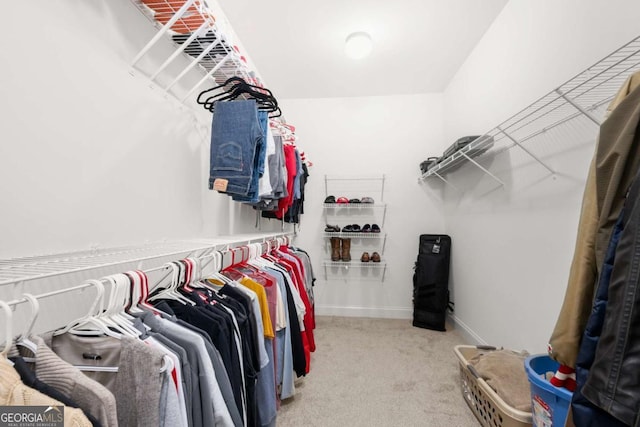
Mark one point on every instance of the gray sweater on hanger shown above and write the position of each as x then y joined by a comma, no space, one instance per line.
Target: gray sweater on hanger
137,385
91,396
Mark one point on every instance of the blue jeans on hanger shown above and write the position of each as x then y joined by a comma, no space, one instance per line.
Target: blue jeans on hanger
259,163
235,135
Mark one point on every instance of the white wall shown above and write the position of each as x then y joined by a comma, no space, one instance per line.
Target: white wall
512,247
92,153
364,137
531,48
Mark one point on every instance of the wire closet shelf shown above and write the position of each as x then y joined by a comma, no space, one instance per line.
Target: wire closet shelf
20,270
585,95
193,27
378,269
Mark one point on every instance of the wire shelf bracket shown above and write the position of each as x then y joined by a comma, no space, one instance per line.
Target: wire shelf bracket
205,25
187,4
523,148
206,76
578,107
446,181
193,63
483,169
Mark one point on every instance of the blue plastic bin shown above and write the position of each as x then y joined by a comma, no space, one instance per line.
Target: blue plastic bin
549,404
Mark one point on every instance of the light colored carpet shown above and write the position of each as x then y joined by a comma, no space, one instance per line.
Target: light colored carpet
379,372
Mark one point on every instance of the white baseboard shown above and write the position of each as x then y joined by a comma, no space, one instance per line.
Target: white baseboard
375,312
469,334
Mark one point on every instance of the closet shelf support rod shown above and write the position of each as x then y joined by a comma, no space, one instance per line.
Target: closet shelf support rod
525,150
182,47
446,182
485,170
209,74
163,30
192,64
578,107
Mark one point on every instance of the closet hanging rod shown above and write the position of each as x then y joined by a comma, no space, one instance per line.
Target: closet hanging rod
52,293
85,268
18,270
86,285
200,258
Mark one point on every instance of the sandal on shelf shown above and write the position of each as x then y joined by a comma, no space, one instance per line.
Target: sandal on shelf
375,257
347,229
375,228
332,229
366,228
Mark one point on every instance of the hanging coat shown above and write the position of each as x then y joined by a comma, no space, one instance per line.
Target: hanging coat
616,159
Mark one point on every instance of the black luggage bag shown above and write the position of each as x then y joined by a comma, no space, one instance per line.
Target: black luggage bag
431,282
459,144
429,163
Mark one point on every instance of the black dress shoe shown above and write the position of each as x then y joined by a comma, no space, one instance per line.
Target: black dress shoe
375,228
330,199
347,229
366,228
355,228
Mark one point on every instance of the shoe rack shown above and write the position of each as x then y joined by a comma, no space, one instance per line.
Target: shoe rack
355,188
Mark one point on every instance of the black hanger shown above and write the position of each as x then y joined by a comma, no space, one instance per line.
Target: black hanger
263,96
228,81
239,88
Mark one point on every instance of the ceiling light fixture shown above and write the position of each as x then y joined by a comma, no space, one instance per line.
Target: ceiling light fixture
358,45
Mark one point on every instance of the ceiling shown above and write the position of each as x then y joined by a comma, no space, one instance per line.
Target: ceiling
298,46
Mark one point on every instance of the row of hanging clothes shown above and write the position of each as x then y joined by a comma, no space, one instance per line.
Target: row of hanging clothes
254,158
213,346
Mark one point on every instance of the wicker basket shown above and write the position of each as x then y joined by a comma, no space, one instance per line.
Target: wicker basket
487,406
